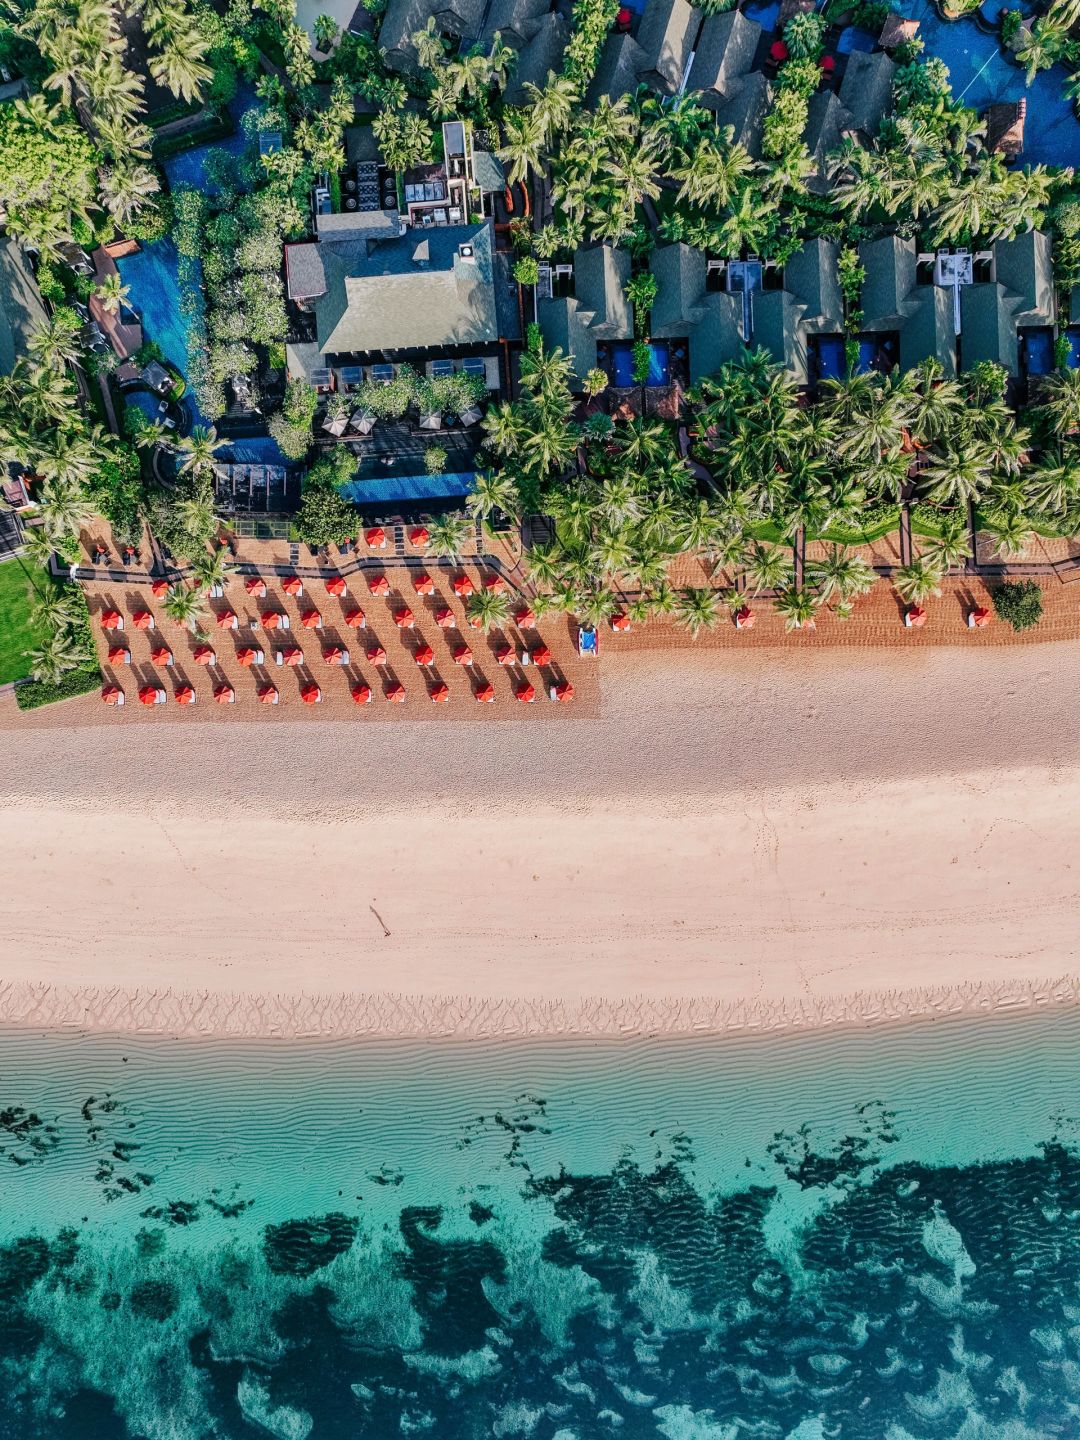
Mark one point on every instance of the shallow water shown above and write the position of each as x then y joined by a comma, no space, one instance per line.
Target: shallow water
848,1235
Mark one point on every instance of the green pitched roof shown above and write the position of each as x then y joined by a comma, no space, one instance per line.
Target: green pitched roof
987,326
866,89
724,53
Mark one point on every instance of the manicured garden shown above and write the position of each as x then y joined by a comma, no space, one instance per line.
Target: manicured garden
18,632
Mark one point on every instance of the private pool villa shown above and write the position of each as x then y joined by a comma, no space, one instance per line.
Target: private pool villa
618,360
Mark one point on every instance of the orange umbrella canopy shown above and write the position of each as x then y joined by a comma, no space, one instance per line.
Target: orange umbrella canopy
204,655
396,692
227,620
379,585
425,655
356,619
525,616
463,655
403,618
980,618
463,585
148,695
361,694
495,584
142,620
185,695
255,586
744,617
161,656
620,622
375,537
419,536
334,656
377,655
311,694
505,654
118,655
270,619
564,692
541,655
159,588
311,620
440,694
293,656
485,694
444,618
293,585
224,695
112,620
424,585
525,693
246,657
336,586
268,695
111,694
916,616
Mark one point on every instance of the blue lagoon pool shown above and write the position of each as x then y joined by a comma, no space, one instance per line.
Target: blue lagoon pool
409,489
621,362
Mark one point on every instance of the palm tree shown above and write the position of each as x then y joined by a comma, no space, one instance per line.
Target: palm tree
796,606
113,294
126,190
55,656
544,564
553,106
64,509
1011,534
209,568
198,450
114,92
1059,407
767,568
916,582
449,534
950,546
185,607
180,66
325,31
958,475
710,177
492,492
50,607
698,608
545,372
54,342
842,574
491,608
429,47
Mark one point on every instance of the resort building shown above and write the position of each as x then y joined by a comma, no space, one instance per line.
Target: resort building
722,76
462,22
1007,313
593,308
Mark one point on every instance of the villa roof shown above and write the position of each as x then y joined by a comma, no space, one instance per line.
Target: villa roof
517,21
305,278
890,275
866,89
565,326
357,224
745,112
403,18
541,54
922,315
388,296
811,276
21,307
600,276
622,60
826,121
488,172
723,55
778,329
896,31
988,325
709,320
1025,266
666,36
1005,127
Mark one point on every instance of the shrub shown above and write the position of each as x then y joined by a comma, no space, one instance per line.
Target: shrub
527,270
1019,603
435,459
1011,20
642,356
804,35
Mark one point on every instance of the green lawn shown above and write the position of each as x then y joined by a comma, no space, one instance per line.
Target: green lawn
17,634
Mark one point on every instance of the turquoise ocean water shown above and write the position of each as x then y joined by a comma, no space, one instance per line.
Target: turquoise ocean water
867,1235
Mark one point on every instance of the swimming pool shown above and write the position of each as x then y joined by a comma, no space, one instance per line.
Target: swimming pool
189,167
409,489
1072,334
621,365
831,354
981,75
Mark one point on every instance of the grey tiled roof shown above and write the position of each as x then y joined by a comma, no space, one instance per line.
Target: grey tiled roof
866,89
811,276
666,35
358,224
304,274
724,53
622,61
1025,267
827,119
542,53
745,112
987,326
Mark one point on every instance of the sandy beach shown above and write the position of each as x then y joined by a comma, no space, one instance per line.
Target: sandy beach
738,840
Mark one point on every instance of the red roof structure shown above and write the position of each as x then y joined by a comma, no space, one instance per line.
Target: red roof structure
377,655
979,619
445,618
505,655
915,617
620,623
151,695
541,655
525,693
361,694
185,695
744,618
495,584
403,618
272,620
227,620
225,695
335,655
462,655
311,620
119,655
425,655
292,585
161,656
268,695
485,693
112,620
356,620
160,588
524,617
376,537
255,585
379,585
247,657
396,693
419,537
563,692
204,655
293,656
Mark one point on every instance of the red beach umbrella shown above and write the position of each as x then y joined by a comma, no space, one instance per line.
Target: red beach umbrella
541,655
311,620
524,617
256,586
162,656
379,585
495,584
525,693
463,586
563,692
112,695
376,537
143,620
119,655
356,620
915,617
159,588
112,620
293,656
440,694
227,620
979,619
225,695
268,695
424,585
377,655
396,693
311,695
336,586
151,695
462,655
425,655
335,656
419,537
249,657
185,695
620,623
362,694
271,620
485,693
293,585
205,656
744,618
505,655
403,618
444,618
